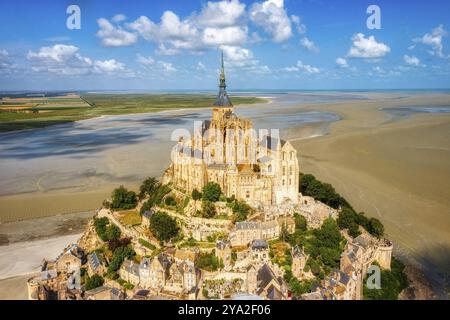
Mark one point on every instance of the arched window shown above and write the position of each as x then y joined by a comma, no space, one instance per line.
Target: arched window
269,168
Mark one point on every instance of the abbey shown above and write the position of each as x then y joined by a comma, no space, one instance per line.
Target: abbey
260,169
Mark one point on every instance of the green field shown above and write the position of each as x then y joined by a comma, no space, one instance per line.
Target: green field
62,110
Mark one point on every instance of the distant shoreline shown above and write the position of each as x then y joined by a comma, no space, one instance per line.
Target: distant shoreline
51,120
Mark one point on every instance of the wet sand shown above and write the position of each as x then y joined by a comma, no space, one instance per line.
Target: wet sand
23,258
397,171
396,168
14,288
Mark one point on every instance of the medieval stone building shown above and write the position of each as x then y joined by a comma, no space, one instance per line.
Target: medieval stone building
258,168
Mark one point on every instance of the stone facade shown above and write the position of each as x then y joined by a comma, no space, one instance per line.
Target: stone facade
226,150
246,232
171,273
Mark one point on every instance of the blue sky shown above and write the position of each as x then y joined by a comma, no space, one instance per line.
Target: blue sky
272,44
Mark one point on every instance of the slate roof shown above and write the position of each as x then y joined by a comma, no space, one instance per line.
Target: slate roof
247,225
271,143
259,244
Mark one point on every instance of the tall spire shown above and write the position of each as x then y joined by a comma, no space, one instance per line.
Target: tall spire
222,99
222,74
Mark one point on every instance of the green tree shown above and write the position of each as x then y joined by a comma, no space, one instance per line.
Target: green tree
170,201
112,232
376,228
163,226
208,209
393,282
300,222
353,230
122,199
211,192
147,187
241,210
196,195
208,261
119,255
93,282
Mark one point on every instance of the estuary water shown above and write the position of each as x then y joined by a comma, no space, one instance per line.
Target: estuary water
124,149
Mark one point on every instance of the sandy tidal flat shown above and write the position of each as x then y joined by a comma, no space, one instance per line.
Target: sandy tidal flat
394,168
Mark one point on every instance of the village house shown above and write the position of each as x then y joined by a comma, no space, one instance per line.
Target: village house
129,271
70,260
104,293
223,252
299,259
95,265
246,232
265,283
260,252
360,253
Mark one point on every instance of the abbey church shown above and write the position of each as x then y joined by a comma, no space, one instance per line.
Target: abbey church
256,167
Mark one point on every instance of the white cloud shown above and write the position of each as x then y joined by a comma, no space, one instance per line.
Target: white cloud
108,66
309,45
271,16
4,60
114,36
152,64
341,62
300,66
243,60
367,48
167,66
119,18
197,32
411,60
228,35
301,28
58,53
63,59
146,61
307,68
200,66
434,39
222,13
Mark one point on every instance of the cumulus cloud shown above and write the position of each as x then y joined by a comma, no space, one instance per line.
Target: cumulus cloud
434,39
341,62
301,28
152,64
222,13
309,45
63,59
243,59
367,48
272,17
229,35
218,23
108,66
119,18
301,67
114,36
5,63
411,60
200,66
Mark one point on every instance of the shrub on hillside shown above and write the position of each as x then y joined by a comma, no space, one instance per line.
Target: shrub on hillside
163,226
211,192
122,199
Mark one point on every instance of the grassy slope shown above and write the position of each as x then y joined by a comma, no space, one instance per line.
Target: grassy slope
110,104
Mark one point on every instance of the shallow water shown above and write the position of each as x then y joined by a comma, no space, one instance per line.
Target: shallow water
405,112
119,149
